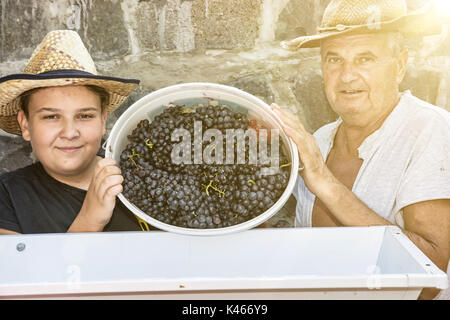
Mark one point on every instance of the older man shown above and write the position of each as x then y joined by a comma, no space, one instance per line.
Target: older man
386,160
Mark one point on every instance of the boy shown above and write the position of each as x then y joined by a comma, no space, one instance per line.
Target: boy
60,105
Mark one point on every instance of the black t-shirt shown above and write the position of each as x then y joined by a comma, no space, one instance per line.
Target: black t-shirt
31,201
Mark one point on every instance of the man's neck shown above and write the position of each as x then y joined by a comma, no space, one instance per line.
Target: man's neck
351,135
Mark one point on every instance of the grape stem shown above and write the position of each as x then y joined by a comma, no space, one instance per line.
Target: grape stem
221,192
188,110
285,165
149,143
134,154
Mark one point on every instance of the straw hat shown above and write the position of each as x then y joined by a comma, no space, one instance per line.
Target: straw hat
352,16
61,59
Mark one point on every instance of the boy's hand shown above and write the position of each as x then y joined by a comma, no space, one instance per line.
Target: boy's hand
100,199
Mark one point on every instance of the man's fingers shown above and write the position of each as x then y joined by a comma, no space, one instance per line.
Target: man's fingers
307,148
294,134
287,118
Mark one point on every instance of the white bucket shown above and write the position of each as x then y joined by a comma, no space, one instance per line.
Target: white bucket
191,94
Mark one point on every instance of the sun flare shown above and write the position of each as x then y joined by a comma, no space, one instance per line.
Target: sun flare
443,7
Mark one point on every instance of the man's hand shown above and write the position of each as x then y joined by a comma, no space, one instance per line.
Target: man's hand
340,200
100,199
316,173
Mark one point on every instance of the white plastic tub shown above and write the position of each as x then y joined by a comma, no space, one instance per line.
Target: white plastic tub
317,263
189,94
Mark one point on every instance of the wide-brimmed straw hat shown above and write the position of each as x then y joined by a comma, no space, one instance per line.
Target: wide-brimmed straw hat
61,59
356,16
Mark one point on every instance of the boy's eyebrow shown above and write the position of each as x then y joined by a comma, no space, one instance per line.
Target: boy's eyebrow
89,109
47,109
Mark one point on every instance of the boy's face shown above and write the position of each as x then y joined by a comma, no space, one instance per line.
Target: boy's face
65,126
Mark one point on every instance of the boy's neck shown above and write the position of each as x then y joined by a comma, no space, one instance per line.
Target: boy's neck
80,181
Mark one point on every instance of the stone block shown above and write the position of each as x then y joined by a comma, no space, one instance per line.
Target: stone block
226,24
310,93
22,26
186,25
102,28
256,85
299,18
99,23
14,153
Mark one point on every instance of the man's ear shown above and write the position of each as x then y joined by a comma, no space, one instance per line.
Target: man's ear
402,61
23,123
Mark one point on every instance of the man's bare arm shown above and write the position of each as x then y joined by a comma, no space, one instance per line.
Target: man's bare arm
427,224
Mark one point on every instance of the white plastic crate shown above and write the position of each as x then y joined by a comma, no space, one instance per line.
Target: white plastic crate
292,263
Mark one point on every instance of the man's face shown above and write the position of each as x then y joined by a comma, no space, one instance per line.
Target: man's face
65,126
361,76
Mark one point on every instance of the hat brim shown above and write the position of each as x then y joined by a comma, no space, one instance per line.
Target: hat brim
419,23
12,86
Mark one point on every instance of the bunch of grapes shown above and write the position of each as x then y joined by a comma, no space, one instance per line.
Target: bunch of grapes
189,195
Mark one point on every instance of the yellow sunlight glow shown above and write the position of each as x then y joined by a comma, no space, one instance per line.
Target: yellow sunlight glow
443,7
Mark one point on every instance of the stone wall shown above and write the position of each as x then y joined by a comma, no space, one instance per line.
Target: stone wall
232,42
